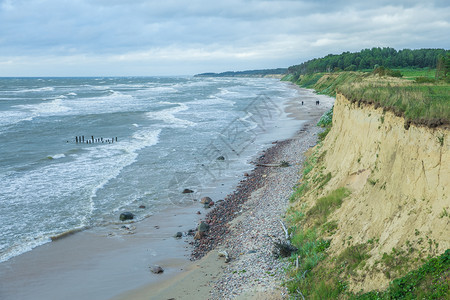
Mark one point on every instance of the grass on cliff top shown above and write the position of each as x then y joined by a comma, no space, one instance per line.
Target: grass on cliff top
422,101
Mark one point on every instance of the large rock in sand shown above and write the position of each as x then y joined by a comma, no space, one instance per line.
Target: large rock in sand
206,200
156,269
126,216
203,227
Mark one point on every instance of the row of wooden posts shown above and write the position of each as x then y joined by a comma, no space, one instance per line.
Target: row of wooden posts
92,140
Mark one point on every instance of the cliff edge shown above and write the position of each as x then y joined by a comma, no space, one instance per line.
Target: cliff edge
398,210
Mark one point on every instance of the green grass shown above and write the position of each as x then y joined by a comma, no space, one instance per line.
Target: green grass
308,166
322,135
299,192
327,84
418,103
430,281
326,121
326,205
412,74
311,248
308,81
352,257
416,96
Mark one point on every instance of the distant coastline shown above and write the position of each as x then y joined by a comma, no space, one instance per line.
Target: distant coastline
266,73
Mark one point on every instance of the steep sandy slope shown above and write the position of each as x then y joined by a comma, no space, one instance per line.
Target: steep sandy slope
400,184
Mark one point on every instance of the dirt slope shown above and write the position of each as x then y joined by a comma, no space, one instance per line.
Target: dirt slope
400,184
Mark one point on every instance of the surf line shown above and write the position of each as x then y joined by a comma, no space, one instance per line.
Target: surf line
92,140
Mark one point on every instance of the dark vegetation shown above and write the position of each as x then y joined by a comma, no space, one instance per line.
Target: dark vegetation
249,73
368,59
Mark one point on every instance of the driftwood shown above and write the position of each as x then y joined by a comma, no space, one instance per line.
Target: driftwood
225,254
268,165
285,231
281,164
284,249
300,294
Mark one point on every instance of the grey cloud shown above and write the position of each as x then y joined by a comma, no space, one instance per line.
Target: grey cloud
240,33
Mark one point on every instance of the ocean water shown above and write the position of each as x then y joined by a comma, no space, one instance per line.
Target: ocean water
153,137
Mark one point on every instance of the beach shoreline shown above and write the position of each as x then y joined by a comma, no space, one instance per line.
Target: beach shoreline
110,261
246,224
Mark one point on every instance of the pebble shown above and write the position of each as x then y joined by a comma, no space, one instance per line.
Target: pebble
258,226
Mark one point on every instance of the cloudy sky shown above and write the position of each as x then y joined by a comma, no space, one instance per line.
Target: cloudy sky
174,37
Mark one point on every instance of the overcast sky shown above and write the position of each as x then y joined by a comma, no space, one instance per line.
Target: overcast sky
174,37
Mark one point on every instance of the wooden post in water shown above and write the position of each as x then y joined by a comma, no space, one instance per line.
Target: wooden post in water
83,138
116,138
76,139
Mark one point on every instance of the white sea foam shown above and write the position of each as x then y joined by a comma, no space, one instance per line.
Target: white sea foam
62,105
54,107
57,156
168,115
42,89
213,100
250,119
22,247
163,89
140,139
66,191
88,183
11,117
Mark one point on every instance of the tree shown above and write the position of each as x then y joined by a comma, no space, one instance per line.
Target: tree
440,68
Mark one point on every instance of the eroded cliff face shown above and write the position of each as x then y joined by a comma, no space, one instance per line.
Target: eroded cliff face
400,184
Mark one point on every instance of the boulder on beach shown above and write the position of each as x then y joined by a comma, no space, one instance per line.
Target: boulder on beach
206,200
203,227
179,234
187,191
156,269
221,158
126,216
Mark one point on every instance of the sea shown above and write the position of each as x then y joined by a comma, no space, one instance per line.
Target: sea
75,153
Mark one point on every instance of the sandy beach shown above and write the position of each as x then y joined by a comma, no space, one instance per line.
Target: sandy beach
246,224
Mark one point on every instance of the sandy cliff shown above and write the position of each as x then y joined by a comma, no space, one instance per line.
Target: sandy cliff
400,184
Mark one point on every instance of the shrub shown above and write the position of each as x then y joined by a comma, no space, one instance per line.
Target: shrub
422,79
326,205
326,118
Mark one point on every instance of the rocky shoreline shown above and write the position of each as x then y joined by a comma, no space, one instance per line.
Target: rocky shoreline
247,222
